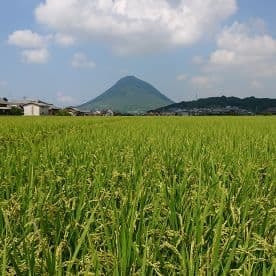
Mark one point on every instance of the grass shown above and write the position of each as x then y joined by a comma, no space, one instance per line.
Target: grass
138,196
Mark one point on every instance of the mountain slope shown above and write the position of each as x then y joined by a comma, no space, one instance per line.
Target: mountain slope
255,105
128,95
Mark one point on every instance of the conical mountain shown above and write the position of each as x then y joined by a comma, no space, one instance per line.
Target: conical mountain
128,95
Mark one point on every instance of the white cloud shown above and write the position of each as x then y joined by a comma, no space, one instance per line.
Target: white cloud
244,62
38,56
202,81
182,77
64,39
65,99
36,46
246,41
242,47
27,39
221,57
137,25
80,60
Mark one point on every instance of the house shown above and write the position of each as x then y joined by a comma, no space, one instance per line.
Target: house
4,106
73,111
4,102
27,107
53,110
109,112
36,109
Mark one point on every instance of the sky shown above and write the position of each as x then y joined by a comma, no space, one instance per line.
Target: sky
69,51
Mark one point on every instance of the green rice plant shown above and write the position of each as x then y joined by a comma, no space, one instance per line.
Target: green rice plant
138,196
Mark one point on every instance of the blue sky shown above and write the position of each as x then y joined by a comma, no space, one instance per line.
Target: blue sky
70,51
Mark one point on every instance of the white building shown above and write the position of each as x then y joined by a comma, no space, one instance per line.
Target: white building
36,109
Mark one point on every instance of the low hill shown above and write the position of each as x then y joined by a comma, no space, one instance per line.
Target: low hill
252,104
128,95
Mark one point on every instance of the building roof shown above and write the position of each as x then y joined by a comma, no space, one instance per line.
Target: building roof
27,101
37,104
19,102
53,107
72,108
2,101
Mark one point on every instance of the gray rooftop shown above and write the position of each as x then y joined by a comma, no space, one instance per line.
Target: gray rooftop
38,104
2,101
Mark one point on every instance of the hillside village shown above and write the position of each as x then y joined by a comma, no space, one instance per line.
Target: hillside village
220,106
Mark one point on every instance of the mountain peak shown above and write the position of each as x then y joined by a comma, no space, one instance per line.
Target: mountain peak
128,95
128,79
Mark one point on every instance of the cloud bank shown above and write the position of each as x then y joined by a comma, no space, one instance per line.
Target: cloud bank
136,26
36,46
242,45
246,53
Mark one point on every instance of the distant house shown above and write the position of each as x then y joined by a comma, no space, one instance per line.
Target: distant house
109,112
27,107
4,106
36,109
73,111
3,102
53,110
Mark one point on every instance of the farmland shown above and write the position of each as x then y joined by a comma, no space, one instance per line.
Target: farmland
138,196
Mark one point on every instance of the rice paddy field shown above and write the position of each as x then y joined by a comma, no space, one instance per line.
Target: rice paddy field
138,196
